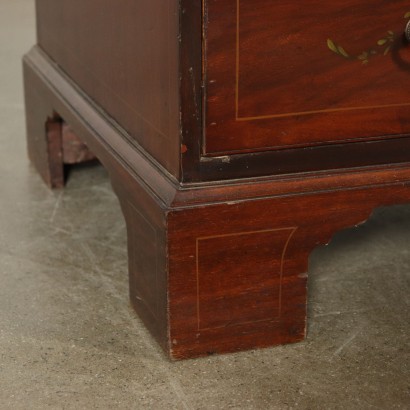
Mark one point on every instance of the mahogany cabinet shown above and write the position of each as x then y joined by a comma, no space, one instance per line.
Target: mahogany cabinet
238,135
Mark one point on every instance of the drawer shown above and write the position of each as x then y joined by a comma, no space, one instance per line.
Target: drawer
285,74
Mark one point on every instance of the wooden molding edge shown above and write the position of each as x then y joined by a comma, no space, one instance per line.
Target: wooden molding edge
101,133
110,142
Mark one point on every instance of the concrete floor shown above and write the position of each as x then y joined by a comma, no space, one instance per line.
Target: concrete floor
69,340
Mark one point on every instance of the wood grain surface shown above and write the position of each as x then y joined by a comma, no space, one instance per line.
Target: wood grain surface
124,55
273,82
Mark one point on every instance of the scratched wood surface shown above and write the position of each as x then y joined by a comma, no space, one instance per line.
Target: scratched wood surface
74,150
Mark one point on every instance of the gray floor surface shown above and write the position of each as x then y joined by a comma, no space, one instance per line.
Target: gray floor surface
69,340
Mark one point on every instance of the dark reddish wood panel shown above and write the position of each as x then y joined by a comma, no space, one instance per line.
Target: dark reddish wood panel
124,55
143,256
147,262
228,263
286,74
247,262
44,128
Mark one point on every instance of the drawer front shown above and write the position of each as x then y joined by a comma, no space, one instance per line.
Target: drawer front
285,74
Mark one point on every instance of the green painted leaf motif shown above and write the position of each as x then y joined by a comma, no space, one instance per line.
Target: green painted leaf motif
332,45
342,52
366,55
363,56
387,50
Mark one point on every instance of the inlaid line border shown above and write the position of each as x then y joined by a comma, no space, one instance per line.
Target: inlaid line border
291,114
291,229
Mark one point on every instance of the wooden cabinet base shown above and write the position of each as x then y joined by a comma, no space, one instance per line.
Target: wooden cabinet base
214,267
